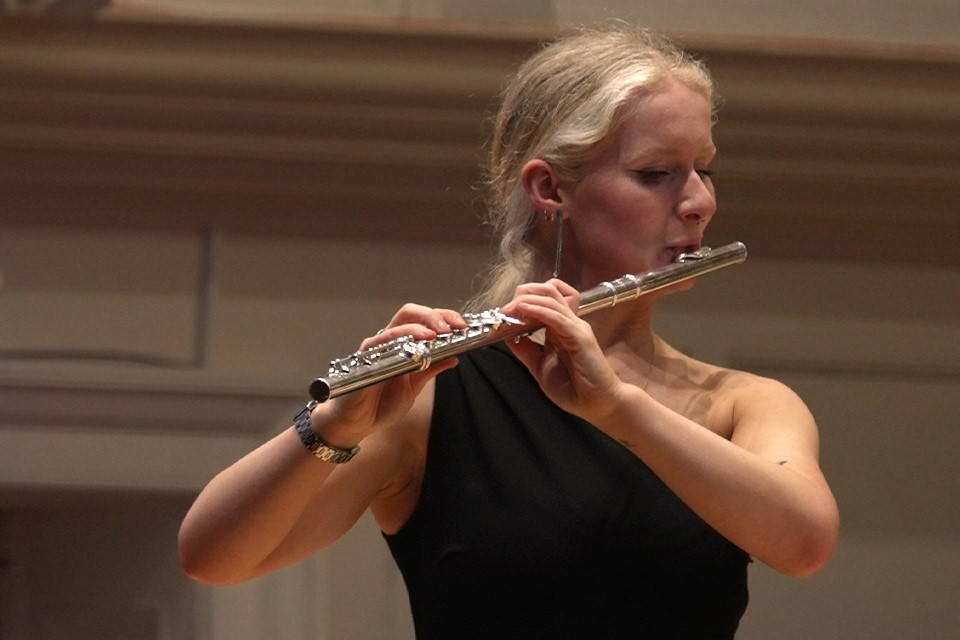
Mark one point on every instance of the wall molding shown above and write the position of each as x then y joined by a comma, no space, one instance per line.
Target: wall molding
367,130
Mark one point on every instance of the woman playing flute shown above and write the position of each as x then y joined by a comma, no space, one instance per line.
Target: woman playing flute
589,481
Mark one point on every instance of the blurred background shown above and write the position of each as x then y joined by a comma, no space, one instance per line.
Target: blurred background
204,201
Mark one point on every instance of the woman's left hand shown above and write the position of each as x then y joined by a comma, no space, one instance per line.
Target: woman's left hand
570,368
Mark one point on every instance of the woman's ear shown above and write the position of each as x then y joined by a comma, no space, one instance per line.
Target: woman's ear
542,184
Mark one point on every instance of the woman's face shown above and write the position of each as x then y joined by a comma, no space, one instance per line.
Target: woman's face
648,195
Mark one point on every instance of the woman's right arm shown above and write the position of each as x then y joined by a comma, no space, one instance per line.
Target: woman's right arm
279,504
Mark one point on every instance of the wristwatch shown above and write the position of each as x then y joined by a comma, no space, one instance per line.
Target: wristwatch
314,444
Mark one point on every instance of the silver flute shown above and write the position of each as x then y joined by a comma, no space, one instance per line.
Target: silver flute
405,355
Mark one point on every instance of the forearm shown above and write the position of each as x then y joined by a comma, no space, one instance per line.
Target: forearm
782,514
244,513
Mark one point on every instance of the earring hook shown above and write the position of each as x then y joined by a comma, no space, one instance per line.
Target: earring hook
559,249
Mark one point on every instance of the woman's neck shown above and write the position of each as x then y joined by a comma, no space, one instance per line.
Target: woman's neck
628,325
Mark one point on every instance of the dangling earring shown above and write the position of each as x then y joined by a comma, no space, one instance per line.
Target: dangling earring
559,250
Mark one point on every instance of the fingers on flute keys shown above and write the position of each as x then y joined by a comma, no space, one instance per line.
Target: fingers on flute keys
554,294
418,321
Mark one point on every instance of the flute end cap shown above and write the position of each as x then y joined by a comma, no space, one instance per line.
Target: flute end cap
320,390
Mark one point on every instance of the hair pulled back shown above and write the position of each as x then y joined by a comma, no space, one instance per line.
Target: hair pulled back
563,102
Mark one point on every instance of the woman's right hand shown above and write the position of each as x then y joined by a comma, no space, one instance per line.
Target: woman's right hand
278,504
347,419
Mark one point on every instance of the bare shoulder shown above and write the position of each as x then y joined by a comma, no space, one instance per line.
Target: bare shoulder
770,419
737,385
754,411
754,396
739,392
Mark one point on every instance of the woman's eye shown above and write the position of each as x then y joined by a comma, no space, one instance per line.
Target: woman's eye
653,176
705,174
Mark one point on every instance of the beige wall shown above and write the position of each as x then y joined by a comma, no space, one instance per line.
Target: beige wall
194,219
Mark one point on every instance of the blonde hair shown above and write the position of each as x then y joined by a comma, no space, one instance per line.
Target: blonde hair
563,102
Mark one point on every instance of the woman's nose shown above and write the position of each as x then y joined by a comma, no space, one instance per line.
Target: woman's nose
698,202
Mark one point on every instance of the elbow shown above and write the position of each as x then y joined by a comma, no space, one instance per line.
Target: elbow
811,560
205,564
208,573
199,571
813,547
198,568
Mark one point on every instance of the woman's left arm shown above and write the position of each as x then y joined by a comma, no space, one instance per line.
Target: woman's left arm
762,489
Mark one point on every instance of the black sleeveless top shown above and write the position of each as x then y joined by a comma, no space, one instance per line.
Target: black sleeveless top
533,524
